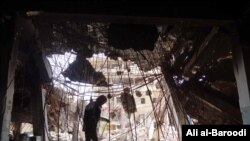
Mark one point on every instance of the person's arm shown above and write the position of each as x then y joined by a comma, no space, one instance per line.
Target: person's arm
98,115
104,119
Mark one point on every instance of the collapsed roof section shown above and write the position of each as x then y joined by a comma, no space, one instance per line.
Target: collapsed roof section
82,71
190,55
89,38
138,37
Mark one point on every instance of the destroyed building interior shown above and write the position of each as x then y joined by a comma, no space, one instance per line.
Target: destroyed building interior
181,69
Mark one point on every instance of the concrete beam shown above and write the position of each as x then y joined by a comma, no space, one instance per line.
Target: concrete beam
40,17
218,105
186,9
199,53
37,102
174,104
45,115
8,97
241,61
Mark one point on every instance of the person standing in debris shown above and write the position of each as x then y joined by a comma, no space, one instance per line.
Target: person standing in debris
128,102
92,116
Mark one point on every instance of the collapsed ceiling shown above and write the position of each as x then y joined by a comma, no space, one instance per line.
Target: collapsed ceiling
196,60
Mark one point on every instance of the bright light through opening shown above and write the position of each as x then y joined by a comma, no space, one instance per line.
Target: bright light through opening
59,63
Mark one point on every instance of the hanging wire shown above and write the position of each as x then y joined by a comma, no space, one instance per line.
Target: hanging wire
58,122
108,94
43,112
118,90
170,112
103,64
123,88
83,75
123,85
128,69
106,60
63,96
143,76
162,90
67,112
91,100
157,104
66,107
109,106
143,120
77,114
127,107
45,102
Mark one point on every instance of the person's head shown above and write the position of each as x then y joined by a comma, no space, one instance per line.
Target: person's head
101,100
126,90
